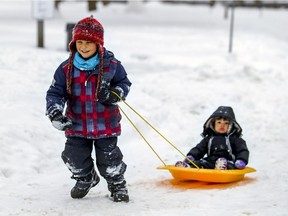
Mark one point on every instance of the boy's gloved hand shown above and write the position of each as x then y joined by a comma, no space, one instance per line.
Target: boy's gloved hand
59,121
240,164
107,97
185,162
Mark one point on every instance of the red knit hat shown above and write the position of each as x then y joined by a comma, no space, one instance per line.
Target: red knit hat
88,29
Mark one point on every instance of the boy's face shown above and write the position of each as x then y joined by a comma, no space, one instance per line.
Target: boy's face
221,125
86,48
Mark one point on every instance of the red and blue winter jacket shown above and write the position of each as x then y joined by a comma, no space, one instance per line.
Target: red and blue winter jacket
91,119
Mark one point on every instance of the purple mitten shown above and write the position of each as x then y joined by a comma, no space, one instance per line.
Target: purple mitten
240,164
190,157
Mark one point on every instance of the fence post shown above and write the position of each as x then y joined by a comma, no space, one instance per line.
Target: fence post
41,10
40,33
231,27
69,30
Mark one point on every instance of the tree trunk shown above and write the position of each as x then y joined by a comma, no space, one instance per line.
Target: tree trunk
92,5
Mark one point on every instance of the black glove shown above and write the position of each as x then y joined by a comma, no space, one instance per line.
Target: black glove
107,97
59,121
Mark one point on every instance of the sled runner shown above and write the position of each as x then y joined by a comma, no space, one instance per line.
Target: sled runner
207,175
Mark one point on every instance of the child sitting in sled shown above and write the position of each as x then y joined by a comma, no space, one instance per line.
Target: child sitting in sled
222,146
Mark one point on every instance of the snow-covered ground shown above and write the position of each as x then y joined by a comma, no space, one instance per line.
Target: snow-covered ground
177,59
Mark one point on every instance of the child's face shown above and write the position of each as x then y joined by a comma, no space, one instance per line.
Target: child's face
86,48
221,125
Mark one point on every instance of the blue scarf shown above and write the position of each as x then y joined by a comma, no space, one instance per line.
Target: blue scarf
85,64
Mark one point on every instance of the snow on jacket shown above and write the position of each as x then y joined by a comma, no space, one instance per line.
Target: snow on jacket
90,118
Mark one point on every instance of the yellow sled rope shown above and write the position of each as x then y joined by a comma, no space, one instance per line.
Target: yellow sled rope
161,135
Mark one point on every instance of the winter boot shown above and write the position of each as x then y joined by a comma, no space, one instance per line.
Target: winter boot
119,192
221,164
84,184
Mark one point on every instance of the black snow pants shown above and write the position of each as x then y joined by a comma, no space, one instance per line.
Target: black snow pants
77,157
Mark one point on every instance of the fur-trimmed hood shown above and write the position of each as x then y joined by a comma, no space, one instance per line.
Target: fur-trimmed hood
225,112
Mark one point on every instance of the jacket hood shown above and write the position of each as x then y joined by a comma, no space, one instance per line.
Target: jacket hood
107,57
225,112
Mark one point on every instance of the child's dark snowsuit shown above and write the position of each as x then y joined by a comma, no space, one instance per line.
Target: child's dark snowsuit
229,146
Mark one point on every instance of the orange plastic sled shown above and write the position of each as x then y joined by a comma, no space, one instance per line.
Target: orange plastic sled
207,175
